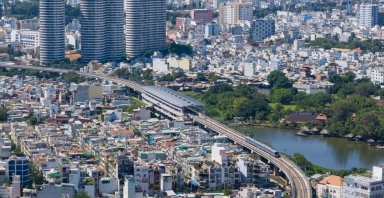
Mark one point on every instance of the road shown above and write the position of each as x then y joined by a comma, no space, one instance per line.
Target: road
301,187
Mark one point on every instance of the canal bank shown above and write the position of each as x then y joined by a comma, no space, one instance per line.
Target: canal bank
329,152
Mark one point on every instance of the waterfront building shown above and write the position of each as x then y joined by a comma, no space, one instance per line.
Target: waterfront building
331,186
145,26
365,186
368,15
52,25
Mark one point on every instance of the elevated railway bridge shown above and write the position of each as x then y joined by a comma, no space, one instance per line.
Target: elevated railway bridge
301,187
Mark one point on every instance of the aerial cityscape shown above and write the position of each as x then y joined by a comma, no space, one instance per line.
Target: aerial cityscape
191,98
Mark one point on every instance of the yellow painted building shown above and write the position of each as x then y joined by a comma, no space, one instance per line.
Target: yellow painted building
95,91
185,63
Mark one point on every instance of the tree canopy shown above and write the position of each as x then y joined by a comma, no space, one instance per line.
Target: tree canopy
3,114
72,76
82,194
23,10
277,79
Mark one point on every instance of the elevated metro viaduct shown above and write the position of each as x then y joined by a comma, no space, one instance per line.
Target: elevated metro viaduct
301,187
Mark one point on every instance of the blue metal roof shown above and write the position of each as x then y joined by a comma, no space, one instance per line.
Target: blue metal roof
171,96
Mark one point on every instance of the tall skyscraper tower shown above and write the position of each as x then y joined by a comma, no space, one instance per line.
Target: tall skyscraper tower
368,15
52,37
114,29
145,26
93,30
102,30
380,16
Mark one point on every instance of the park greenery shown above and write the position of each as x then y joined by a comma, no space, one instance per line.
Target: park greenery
30,9
145,77
349,106
73,77
365,45
22,10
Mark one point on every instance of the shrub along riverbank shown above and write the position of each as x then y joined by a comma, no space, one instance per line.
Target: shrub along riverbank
311,169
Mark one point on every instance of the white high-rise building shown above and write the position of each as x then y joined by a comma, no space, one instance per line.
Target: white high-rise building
211,29
232,13
145,26
298,44
131,190
114,29
368,15
102,30
93,30
52,24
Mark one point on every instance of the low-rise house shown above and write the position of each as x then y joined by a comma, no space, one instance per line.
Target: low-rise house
331,186
306,117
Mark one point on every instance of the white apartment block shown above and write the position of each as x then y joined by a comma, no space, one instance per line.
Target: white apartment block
298,44
361,186
246,11
145,26
377,76
262,29
26,38
368,15
232,13
211,29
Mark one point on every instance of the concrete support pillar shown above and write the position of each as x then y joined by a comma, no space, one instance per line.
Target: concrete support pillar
276,170
22,73
43,72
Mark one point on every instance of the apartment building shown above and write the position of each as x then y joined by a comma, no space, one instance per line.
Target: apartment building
262,29
26,38
202,15
363,186
232,13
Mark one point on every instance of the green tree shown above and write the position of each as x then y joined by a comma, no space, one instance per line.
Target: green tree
82,194
35,176
220,88
72,13
213,77
277,79
227,192
283,96
32,121
167,77
178,74
201,77
365,89
72,76
3,114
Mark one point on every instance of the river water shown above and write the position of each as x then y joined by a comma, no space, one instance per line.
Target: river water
329,152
